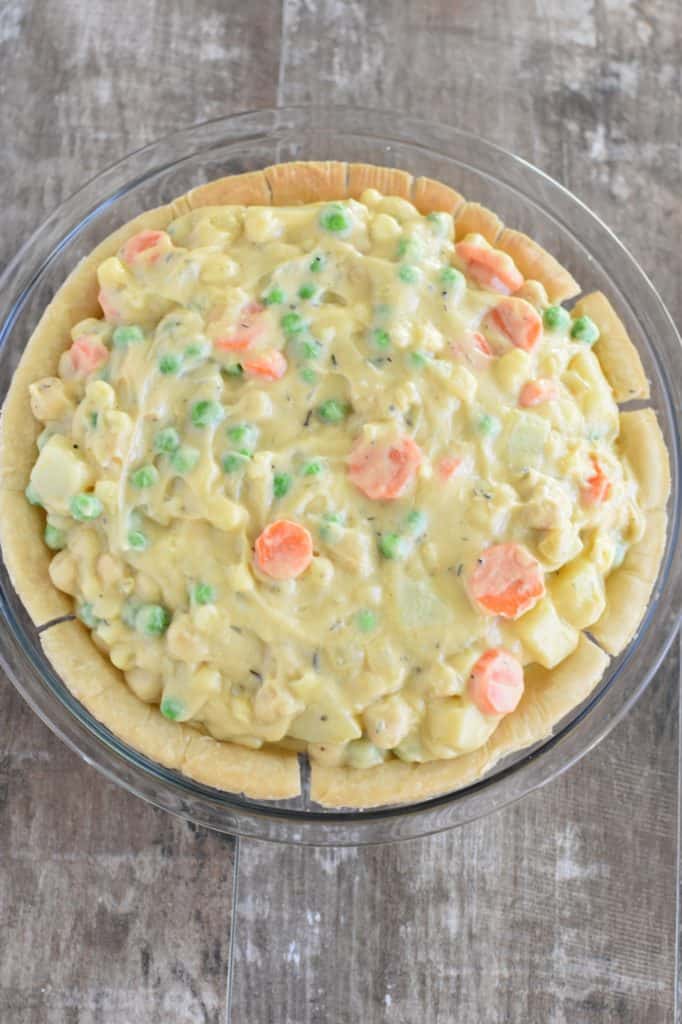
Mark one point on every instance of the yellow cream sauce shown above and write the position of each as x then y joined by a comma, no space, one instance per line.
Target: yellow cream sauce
366,654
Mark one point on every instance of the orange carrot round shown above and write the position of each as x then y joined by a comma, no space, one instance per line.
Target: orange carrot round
384,471
489,267
283,550
496,682
506,580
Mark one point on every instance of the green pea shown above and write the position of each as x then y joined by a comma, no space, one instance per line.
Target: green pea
87,616
234,462
85,507
172,708
437,222
184,459
167,441
556,318
196,351
32,496
408,274
169,364
152,619
381,338
94,419
206,413
409,248
244,434
308,348
330,528
233,370
137,540
450,276
585,329
415,522
308,375
391,545
124,336
292,323
145,476
334,218
54,538
417,360
316,264
312,469
128,613
281,484
333,411
202,593
366,620
307,291
275,297
487,425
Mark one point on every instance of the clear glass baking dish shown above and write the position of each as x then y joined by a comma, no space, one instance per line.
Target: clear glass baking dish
526,199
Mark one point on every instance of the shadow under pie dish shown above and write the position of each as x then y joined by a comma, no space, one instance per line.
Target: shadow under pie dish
445,390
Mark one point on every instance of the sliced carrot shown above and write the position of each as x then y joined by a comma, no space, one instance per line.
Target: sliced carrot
517,320
496,682
535,392
384,471
489,267
597,487
268,365
284,550
88,354
473,348
507,580
149,243
109,308
249,329
448,466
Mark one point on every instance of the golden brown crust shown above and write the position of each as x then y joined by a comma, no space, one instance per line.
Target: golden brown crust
93,680
431,196
641,442
548,696
306,181
388,180
618,356
28,559
473,218
537,265
629,588
250,189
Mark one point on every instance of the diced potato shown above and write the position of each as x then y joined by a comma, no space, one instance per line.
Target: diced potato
272,702
363,754
453,726
586,381
388,721
146,685
184,642
261,225
512,370
223,513
411,749
398,208
545,636
526,435
559,546
603,551
49,400
578,593
384,228
325,721
63,572
462,384
59,474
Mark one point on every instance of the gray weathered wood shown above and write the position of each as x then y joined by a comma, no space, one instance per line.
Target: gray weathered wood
559,909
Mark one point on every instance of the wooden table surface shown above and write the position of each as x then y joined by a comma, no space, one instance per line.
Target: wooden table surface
559,910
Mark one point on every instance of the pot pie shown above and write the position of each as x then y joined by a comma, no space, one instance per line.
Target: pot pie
314,460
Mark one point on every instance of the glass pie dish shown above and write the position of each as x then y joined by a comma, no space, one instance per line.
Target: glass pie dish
525,199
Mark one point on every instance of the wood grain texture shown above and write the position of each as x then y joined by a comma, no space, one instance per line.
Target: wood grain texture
558,910
110,910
